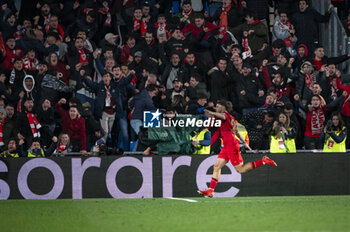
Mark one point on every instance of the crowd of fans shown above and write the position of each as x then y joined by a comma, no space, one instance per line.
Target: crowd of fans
75,74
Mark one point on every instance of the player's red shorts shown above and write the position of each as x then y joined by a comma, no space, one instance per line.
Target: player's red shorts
231,153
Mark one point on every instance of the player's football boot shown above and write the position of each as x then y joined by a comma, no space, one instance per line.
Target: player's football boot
266,160
206,193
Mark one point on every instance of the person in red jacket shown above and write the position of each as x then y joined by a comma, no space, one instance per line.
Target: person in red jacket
12,53
197,27
74,124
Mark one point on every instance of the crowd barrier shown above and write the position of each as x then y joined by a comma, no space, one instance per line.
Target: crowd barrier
170,176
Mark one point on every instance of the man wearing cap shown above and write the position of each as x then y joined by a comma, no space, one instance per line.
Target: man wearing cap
111,39
138,64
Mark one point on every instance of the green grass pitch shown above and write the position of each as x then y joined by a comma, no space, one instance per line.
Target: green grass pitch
305,213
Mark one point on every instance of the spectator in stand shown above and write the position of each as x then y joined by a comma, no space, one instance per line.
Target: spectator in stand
150,47
279,82
334,134
301,57
53,25
29,89
252,34
306,21
133,23
12,53
107,101
298,123
248,88
201,141
305,78
27,124
258,125
79,55
194,65
11,151
43,18
315,118
196,87
9,25
9,127
128,50
87,23
283,135
173,70
283,29
320,59
140,103
30,62
53,88
186,15
196,28
74,124
177,43
35,149
219,81
47,120
227,16
64,146
62,69
197,107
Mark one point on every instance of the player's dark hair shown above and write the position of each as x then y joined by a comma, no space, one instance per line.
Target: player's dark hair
226,104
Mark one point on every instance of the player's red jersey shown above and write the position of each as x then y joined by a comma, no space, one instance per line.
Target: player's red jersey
227,131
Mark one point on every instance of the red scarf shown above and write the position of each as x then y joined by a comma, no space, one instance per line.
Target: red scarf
61,147
136,23
161,28
317,120
30,64
223,17
144,27
1,133
105,11
187,14
245,44
82,57
34,124
310,79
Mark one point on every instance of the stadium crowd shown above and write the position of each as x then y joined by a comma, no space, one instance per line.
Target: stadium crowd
76,75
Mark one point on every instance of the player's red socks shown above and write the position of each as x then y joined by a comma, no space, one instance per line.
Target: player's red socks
257,163
213,183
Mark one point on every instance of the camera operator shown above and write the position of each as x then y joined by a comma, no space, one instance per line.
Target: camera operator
101,149
283,135
334,134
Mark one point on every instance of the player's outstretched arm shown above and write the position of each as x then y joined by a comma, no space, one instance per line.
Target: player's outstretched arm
216,114
242,140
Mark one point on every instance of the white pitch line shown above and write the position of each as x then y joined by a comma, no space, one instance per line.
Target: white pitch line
181,199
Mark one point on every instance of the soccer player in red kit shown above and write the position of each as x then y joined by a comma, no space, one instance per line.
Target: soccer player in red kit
231,150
